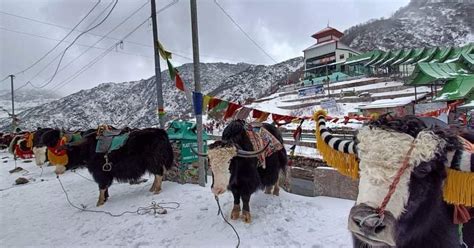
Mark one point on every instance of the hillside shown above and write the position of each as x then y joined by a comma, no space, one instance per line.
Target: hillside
134,103
24,99
421,23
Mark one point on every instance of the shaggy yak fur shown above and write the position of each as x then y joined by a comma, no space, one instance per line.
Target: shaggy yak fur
428,220
245,177
146,150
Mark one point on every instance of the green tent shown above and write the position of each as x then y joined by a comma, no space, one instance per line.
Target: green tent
427,73
395,55
442,54
468,60
415,55
361,57
376,58
457,53
461,87
384,58
428,54
403,56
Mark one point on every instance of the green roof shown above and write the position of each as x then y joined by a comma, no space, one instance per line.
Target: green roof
457,53
442,54
375,58
415,55
468,58
428,54
459,88
405,55
361,57
383,58
426,73
395,55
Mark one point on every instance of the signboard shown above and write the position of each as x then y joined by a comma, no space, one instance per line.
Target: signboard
187,155
311,91
329,104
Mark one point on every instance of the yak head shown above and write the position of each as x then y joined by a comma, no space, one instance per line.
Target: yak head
415,202
234,148
39,149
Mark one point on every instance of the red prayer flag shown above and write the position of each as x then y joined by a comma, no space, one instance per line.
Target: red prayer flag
256,113
231,110
179,82
213,102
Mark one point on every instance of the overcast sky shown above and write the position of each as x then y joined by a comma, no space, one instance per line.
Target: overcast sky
282,27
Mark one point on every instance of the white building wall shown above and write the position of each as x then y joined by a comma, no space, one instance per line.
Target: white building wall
319,50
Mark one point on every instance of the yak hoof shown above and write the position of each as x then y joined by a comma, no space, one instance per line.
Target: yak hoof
100,202
276,191
235,214
268,190
157,191
246,217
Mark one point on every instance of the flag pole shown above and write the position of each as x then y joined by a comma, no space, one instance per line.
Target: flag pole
197,97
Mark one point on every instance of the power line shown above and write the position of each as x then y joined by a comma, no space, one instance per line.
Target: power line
47,65
102,55
44,56
243,31
102,37
177,53
95,60
65,50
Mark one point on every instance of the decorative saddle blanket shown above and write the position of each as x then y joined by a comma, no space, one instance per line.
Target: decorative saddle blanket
110,140
260,137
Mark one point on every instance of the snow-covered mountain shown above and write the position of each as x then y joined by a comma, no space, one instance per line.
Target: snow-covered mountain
24,99
134,103
420,23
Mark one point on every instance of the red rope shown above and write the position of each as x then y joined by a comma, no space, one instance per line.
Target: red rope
393,185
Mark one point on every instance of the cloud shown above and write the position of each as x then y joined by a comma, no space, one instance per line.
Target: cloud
282,27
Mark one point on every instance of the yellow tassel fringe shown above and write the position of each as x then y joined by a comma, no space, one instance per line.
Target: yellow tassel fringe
459,188
346,164
57,160
29,140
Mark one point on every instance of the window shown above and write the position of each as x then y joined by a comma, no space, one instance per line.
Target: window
341,56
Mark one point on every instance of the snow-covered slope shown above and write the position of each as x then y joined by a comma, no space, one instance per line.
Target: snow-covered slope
24,99
123,104
421,23
134,103
37,215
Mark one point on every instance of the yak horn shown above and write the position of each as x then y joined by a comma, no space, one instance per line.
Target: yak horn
198,153
251,154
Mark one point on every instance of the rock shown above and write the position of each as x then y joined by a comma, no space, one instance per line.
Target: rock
17,169
21,180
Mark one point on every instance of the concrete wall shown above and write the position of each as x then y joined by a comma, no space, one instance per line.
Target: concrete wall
308,178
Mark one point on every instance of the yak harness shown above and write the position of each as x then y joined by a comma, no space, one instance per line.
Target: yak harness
260,137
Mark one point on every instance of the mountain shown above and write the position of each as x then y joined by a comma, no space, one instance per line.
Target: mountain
420,23
24,99
134,103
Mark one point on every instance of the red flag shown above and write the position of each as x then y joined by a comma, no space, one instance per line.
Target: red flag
179,82
231,110
213,102
256,113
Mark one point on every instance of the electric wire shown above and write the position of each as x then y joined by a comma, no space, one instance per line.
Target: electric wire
243,31
65,50
52,49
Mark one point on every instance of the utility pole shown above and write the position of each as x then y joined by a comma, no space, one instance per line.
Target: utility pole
197,89
13,105
159,84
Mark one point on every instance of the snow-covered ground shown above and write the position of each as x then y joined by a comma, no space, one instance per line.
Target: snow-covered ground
38,215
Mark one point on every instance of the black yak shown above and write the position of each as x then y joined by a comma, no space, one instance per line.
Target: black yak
39,149
146,150
413,159
235,167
